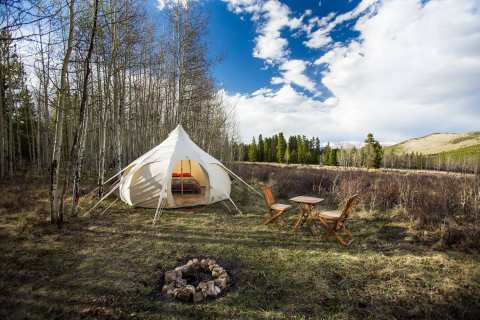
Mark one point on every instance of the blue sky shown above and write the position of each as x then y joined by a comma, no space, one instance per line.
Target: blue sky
232,37
339,69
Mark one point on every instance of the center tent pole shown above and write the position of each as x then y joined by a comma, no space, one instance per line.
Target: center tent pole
181,176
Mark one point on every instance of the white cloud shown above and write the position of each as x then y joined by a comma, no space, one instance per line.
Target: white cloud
270,47
161,4
293,72
271,18
241,6
263,91
321,36
269,112
414,70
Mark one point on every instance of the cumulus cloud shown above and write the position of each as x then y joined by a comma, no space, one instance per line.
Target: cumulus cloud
324,26
293,72
268,112
271,17
415,69
161,4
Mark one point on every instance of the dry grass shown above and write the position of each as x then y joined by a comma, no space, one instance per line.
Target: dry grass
437,142
109,266
441,206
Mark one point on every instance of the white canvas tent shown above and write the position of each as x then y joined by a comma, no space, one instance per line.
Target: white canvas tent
165,177
147,181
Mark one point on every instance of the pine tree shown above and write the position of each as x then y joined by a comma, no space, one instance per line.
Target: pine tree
333,157
273,148
292,148
261,150
266,148
281,146
373,152
327,154
287,155
252,151
317,151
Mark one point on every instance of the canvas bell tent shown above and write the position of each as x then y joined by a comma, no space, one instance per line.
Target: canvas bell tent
176,173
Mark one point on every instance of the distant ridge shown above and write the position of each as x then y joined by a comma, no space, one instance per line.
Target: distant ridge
437,143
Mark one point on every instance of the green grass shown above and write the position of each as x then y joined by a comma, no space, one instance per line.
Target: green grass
394,149
110,266
461,152
470,136
402,147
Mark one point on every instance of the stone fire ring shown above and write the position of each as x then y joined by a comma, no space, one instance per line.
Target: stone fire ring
177,287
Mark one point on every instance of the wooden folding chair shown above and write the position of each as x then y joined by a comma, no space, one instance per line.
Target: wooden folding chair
334,221
274,210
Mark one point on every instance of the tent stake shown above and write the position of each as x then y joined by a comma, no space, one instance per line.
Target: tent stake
239,211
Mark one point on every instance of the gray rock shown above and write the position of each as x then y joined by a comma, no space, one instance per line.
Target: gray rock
204,264
217,271
183,294
211,262
217,290
195,263
190,288
222,283
202,286
185,269
180,282
211,292
172,276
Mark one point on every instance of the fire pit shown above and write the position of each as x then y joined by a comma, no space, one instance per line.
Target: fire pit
197,281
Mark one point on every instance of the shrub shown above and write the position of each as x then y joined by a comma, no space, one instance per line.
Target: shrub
425,198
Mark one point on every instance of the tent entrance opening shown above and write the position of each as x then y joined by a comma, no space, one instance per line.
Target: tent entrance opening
189,183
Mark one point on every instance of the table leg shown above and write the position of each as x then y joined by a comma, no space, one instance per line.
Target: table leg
299,220
305,210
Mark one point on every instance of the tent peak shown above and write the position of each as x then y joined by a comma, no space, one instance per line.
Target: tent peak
179,129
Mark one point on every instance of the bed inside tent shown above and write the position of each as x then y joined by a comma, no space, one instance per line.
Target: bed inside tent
189,184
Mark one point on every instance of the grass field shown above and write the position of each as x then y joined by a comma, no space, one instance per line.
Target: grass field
436,143
110,266
462,152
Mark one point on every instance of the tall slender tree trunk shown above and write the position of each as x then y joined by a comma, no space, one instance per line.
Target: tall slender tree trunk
56,214
78,144
43,112
117,108
103,135
3,133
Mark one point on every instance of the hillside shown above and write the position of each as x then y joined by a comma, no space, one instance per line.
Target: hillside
438,143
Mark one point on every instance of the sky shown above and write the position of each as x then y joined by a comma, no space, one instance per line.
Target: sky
339,69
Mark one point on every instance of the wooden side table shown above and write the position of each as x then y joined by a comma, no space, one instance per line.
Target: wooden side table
306,205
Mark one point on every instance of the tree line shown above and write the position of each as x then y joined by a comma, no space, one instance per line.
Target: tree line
444,161
302,150
102,84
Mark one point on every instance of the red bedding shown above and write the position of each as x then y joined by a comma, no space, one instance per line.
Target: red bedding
190,185
178,174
